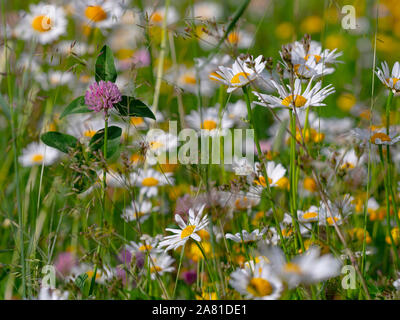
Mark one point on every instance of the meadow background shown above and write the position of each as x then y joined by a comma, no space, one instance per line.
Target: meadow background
47,219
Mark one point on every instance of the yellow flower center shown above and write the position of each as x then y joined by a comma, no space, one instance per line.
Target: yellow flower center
145,247
150,182
187,231
42,23
292,268
189,79
309,184
347,165
310,215
298,101
233,38
331,221
380,135
317,57
155,145
214,74
393,79
209,125
136,121
259,287
236,78
287,232
155,269
37,158
90,274
95,13
135,158
89,133
156,17
262,182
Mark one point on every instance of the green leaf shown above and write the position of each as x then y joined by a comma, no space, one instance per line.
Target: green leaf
105,68
131,107
80,280
76,106
113,140
60,141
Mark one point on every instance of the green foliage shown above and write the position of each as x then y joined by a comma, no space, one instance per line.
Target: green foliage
61,141
105,68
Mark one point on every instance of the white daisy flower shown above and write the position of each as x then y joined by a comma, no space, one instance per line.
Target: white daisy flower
196,221
37,153
311,97
331,213
240,39
241,166
137,210
389,79
211,123
156,16
54,78
349,159
259,283
147,244
44,23
159,263
207,11
84,127
102,275
287,227
327,56
237,111
246,237
396,284
28,62
309,215
312,61
243,71
47,293
159,143
376,136
100,13
275,172
308,268
70,47
149,180
185,78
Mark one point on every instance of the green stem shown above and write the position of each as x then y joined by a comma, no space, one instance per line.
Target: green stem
263,167
388,208
208,267
179,271
16,165
294,174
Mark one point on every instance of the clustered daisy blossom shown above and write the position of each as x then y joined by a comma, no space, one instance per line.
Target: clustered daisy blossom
266,226
44,23
312,96
196,222
389,79
243,71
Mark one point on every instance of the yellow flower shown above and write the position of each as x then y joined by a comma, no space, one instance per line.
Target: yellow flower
358,235
312,24
195,253
309,184
346,101
284,31
395,235
335,41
